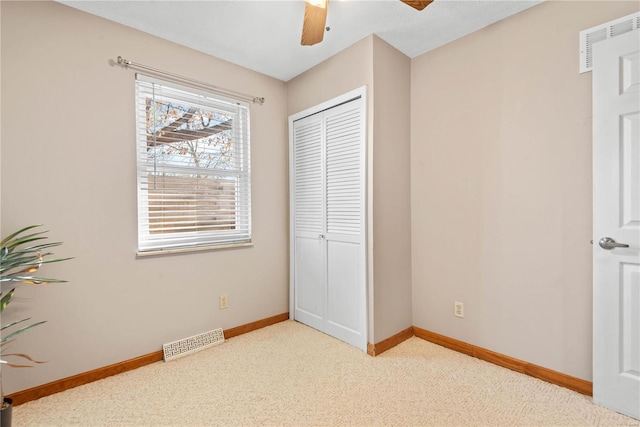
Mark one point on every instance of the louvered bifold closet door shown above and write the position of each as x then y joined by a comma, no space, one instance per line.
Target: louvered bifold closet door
344,128
328,221
309,217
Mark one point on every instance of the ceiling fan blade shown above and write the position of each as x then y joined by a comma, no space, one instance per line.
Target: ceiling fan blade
417,4
315,17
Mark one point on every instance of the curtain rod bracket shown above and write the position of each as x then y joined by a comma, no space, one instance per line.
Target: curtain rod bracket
125,63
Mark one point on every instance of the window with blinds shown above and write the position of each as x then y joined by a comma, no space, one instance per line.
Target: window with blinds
193,168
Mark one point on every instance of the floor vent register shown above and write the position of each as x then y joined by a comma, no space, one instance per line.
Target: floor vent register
185,346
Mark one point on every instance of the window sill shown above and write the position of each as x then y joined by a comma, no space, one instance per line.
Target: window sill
194,249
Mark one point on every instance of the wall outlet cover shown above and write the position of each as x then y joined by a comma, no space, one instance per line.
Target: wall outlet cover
458,309
223,301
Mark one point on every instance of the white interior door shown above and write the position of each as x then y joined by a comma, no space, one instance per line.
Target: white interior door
616,212
344,183
328,272
309,218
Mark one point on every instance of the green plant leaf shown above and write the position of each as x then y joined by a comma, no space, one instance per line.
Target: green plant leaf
13,324
19,331
26,264
6,299
4,241
22,253
37,248
20,240
16,262
31,280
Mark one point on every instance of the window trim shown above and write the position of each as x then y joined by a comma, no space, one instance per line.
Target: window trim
189,241
160,252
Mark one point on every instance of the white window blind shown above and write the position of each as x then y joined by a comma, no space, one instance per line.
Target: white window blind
193,168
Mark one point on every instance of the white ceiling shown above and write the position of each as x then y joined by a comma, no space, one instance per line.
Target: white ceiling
264,35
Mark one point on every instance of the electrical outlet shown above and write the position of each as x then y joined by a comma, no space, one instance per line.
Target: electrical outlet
223,301
458,309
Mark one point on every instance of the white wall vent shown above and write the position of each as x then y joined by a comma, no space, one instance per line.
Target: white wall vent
185,346
603,32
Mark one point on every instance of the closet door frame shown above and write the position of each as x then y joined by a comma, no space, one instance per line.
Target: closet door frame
361,93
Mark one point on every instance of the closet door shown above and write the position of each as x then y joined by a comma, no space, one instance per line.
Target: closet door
346,296
309,222
328,206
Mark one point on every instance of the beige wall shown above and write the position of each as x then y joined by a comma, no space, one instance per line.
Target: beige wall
343,72
391,190
386,73
68,160
501,186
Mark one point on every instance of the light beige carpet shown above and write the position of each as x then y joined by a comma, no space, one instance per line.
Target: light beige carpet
291,375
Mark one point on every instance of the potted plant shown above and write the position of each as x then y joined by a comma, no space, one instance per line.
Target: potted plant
21,254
